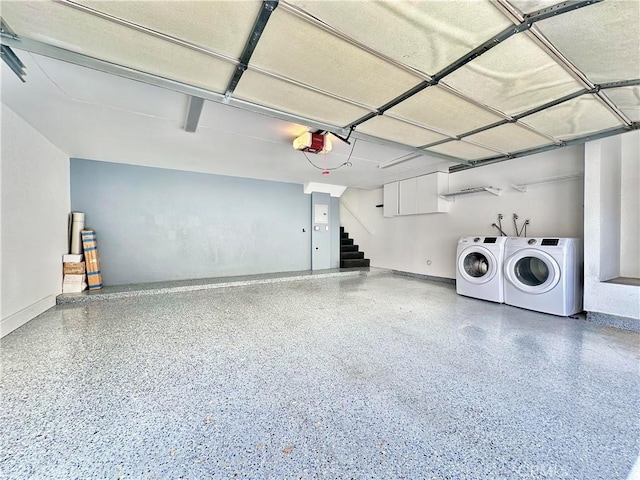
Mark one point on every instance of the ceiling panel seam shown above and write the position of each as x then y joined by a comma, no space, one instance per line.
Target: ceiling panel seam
268,6
297,83
482,145
419,125
464,97
546,148
148,31
377,111
516,118
337,33
526,24
419,151
577,73
237,62
62,54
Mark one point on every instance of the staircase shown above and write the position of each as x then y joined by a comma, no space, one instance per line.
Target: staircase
350,256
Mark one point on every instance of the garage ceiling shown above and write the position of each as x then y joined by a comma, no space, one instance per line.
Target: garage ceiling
470,82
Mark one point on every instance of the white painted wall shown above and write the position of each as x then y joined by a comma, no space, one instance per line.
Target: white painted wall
34,210
611,225
409,243
630,206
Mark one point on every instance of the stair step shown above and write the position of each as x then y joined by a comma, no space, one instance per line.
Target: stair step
351,255
360,262
341,229
349,248
346,241
344,235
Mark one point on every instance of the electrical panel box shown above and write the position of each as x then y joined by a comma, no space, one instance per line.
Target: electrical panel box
321,214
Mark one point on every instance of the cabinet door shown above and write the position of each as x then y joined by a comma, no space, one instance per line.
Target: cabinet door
390,199
429,188
408,196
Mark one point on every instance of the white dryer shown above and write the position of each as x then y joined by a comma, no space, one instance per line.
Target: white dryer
479,267
544,274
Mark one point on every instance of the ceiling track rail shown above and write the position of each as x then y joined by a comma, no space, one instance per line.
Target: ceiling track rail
62,54
13,62
527,22
546,148
8,56
268,6
516,118
241,64
375,112
577,73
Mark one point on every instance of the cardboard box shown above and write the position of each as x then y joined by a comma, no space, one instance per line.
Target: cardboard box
74,283
92,260
73,268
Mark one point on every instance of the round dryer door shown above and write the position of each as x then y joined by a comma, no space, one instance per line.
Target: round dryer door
477,265
532,271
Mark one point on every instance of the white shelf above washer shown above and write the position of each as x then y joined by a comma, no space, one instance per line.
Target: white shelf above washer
451,197
561,178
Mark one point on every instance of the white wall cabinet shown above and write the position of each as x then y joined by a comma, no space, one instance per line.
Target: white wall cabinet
390,199
416,195
408,196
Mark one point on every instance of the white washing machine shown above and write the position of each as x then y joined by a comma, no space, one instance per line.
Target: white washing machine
479,267
544,274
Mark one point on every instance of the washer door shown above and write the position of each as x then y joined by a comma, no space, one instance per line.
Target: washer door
532,271
477,265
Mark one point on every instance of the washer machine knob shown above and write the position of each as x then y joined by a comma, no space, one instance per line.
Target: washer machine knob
477,239
532,241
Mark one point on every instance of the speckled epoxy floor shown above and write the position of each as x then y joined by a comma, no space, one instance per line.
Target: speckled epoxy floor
359,377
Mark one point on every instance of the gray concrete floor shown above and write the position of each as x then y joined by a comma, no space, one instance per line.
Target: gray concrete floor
358,377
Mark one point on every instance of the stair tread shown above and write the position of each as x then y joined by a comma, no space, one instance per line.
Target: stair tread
351,255
360,262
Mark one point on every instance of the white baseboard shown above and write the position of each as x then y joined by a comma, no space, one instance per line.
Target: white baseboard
13,321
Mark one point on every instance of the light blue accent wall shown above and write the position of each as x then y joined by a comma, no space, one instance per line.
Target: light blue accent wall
155,224
321,234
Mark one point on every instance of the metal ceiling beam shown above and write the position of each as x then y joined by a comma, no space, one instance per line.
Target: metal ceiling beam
565,143
526,23
553,103
268,6
402,146
58,53
564,62
82,60
240,65
8,55
621,84
193,113
13,62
